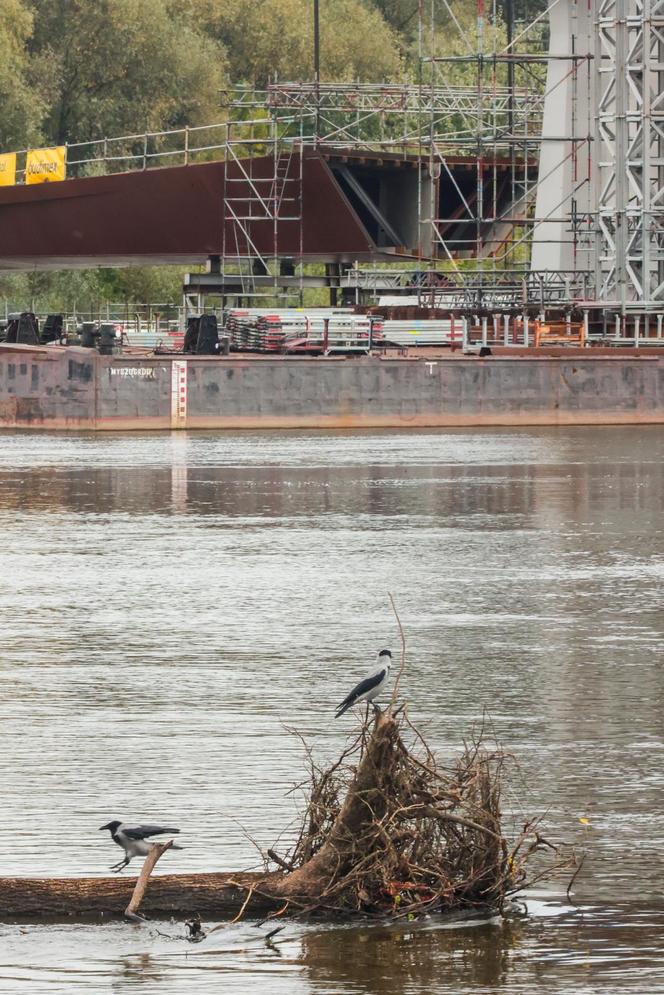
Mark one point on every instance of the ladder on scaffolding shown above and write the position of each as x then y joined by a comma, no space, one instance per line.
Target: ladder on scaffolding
261,196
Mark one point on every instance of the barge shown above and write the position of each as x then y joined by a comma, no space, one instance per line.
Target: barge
74,388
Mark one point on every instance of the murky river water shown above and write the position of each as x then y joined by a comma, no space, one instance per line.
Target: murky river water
169,604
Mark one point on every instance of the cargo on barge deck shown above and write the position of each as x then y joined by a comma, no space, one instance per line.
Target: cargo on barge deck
71,388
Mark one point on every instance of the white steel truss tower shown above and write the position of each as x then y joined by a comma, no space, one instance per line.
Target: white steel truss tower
629,158
564,225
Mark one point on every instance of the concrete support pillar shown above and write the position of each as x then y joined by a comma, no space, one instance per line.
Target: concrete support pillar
562,236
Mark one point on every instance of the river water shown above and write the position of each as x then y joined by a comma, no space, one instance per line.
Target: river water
171,604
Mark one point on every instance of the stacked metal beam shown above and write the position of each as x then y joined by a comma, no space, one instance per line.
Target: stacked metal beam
423,331
167,339
294,330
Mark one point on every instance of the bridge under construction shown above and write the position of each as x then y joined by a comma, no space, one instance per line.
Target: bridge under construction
520,171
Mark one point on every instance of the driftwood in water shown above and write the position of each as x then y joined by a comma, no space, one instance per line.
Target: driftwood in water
156,851
212,895
364,805
386,832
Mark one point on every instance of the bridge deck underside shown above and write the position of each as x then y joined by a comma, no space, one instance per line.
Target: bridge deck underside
179,215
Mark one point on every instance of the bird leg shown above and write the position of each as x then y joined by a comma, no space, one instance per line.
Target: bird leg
116,868
376,708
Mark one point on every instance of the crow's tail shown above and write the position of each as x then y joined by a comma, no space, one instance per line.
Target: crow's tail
343,707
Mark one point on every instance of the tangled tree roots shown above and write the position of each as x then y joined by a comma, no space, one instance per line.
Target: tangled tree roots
389,831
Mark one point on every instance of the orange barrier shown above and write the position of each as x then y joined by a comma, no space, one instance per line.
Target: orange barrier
559,333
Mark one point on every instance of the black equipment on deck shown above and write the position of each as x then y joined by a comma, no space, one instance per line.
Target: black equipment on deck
23,330
89,334
52,328
107,339
208,336
191,335
202,335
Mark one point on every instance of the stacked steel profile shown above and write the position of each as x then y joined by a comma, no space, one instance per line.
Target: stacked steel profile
319,330
421,331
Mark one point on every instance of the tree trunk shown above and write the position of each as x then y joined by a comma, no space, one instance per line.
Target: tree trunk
364,803
211,895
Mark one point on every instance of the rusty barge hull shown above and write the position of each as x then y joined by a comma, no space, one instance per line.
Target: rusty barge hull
73,388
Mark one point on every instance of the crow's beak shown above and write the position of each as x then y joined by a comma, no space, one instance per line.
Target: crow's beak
102,827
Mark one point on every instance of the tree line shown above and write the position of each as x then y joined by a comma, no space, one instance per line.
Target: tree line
74,70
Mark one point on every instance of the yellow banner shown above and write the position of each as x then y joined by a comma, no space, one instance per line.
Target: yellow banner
46,165
8,169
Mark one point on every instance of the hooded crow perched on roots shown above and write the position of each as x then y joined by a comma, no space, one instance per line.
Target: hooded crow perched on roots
371,686
132,840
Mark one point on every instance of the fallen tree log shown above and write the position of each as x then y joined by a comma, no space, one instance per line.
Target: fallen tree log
385,833
212,895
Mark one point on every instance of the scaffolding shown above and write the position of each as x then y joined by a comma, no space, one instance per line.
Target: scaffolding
478,94
482,102
572,98
256,189
629,254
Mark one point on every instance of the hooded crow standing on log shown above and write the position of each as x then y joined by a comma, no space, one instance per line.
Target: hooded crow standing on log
371,686
132,840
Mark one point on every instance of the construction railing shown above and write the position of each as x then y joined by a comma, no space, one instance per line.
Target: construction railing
177,147
342,113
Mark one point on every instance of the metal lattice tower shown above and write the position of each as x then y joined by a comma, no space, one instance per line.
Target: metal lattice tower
629,162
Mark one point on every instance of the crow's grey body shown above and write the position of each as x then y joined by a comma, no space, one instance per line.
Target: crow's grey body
132,839
371,686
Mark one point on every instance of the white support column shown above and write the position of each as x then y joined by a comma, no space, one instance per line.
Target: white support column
563,219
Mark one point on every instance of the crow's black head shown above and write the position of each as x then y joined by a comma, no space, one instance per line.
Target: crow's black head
111,825
385,653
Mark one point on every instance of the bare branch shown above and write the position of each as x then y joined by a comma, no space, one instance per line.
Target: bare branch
395,689
157,849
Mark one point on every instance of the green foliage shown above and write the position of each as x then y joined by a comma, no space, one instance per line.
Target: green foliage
117,66
21,103
401,15
85,69
85,290
61,290
274,38
143,284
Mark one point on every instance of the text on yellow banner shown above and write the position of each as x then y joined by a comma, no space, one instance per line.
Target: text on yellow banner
46,165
